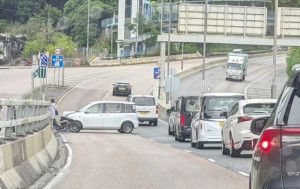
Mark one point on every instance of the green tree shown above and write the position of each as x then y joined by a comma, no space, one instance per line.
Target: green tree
286,3
54,14
76,12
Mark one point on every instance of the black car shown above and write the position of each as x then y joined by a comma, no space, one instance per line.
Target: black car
184,109
276,157
121,88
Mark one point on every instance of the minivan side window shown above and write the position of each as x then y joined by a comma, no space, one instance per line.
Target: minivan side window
114,108
129,108
96,108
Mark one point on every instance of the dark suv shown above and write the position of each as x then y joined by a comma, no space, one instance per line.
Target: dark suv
276,157
184,109
121,88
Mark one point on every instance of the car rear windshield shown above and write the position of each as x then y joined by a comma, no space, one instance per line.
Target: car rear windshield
122,84
215,106
144,101
259,108
190,105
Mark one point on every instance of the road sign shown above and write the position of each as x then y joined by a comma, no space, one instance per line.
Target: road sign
57,51
42,71
57,60
156,73
43,59
35,73
172,84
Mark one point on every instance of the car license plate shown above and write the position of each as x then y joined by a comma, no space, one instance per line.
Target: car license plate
143,113
121,88
221,123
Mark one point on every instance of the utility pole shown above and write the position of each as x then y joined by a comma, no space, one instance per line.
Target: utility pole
204,48
161,26
273,86
88,32
169,44
137,26
111,30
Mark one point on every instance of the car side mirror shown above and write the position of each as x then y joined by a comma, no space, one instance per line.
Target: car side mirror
87,111
258,124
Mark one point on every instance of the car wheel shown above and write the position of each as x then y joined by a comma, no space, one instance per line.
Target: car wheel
200,145
75,126
181,139
176,136
233,151
170,133
127,127
193,144
225,151
154,123
226,79
243,77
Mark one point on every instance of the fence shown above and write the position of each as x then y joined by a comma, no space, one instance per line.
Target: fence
21,117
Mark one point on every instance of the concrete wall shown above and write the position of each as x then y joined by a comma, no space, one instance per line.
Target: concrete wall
24,161
288,21
223,20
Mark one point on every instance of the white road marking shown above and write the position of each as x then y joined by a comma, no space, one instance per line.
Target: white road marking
188,151
163,122
107,94
65,169
212,160
168,144
242,173
250,84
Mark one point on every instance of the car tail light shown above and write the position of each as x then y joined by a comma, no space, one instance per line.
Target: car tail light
244,118
270,137
181,120
156,111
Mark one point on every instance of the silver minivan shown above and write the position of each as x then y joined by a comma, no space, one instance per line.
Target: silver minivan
146,107
207,123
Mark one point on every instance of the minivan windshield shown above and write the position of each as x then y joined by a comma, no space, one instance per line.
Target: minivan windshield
144,101
215,106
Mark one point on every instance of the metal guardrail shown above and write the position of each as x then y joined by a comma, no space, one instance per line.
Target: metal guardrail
22,117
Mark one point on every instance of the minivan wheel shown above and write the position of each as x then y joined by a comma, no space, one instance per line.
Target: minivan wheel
225,151
127,127
120,130
200,145
170,133
75,126
154,123
181,139
176,136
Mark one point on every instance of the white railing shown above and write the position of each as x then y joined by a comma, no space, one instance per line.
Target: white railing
19,118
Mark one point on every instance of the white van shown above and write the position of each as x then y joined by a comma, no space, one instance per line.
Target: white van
207,124
146,107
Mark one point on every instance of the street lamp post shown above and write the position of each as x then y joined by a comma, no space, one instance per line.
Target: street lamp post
273,86
169,44
204,48
137,26
88,32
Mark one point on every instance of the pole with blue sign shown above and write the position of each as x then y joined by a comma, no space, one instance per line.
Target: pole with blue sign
156,73
57,61
42,72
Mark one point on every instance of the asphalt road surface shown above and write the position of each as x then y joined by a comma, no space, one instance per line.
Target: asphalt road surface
148,158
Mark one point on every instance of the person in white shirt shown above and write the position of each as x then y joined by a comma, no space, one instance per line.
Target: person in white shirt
52,111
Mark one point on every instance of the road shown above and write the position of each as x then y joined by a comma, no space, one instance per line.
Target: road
148,158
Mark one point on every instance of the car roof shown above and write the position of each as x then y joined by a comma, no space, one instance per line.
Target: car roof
237,54
222,94
122,82
254,101
122,102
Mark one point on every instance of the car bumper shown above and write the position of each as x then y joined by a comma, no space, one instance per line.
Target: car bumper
210,139
141,119
247,144
122,92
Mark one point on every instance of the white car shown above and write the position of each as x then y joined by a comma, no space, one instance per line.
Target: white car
172,119
236,134
146,107
104,115
207,123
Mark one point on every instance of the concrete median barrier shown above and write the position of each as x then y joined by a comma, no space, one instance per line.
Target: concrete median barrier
23,162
